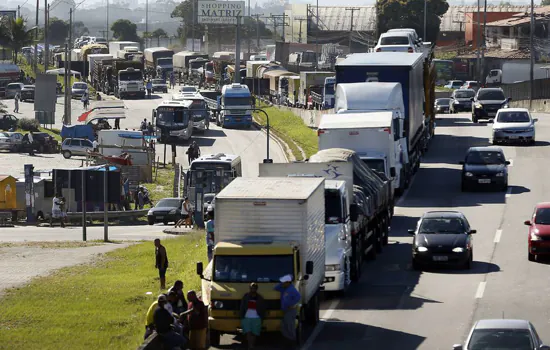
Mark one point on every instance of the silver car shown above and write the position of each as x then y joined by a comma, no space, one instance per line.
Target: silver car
76,147
12,141
502,334
13,88
514,125
79,89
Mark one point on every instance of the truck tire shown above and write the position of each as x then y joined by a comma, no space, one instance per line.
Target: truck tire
214,337
300,329
372,252
313,311
356,262
378,245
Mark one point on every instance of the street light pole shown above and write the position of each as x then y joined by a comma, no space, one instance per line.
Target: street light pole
46,45
532,55
425,17
478,42
107,32
316,41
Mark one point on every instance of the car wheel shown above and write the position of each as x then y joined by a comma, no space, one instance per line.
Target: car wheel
214,338
463,187
151,221
532,142
66,154
165,222
469,263
474,119
531,257
505,187
415,265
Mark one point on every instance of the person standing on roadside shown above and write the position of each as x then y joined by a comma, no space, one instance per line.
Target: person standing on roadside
251,313
16,99
210,236
197,320
149,88
161,262
289,298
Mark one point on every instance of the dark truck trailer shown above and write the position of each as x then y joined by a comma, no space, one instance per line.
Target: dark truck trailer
373,232
151,59
100,77
408,69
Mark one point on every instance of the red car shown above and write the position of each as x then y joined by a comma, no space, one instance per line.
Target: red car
539,231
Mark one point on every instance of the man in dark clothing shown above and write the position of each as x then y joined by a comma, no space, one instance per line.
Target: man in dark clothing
163,321
196,150
197,320
191,153
181,303
161,262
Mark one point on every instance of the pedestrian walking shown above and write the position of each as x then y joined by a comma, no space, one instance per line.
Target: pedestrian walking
186,214
85,100
289,298
95,146
117,124
191,153
58,210
29,140
149,88
161,262
16,99
210,236
252,312
141,198
196,150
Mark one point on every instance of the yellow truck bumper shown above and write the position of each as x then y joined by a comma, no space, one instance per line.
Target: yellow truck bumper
233,326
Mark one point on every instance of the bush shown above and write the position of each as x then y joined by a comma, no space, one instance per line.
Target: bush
28,124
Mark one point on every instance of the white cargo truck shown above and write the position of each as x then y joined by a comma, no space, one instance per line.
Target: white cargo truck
338,200
116,46
266,228
379,102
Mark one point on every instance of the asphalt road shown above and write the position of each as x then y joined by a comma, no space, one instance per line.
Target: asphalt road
394,307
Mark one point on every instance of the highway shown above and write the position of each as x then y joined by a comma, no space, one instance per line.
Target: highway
395,307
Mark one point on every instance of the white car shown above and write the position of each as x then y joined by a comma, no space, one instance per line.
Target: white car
76,147
188,90
514,125
12,141
396,42
411,31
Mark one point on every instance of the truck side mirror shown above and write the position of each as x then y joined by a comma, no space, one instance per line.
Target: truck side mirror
457,347
309,267
353,212
199,268
392,172
509,99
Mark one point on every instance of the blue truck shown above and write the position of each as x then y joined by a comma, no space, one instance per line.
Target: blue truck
233,107
415,73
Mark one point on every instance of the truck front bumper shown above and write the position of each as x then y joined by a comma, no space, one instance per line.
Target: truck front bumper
237,121
182,134
233,325
334,281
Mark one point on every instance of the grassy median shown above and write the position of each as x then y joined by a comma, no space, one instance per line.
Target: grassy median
98,306
292,130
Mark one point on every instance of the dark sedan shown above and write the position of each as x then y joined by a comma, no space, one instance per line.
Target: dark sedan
461,100
167,210
27,93
442,105
485,166
442,238
487,102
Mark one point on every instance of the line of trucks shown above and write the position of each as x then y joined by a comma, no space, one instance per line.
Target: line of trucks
335,208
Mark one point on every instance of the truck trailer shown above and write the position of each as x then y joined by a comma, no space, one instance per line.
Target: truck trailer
158,60
266,228
311,81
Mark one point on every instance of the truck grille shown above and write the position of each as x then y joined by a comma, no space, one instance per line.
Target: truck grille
237,112
235,305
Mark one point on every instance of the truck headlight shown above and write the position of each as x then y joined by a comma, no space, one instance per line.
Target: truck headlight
468,174
479,105
531,129
458,250
335,267
150,213
218,304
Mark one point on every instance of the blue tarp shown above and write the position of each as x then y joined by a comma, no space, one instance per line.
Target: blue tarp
77,131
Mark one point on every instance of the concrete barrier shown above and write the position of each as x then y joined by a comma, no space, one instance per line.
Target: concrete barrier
541,106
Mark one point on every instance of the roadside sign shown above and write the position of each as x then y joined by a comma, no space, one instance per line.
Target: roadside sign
220,12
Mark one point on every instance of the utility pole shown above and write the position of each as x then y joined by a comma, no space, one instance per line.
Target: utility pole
66,84
46,44
484,41
193,27
248,29
425,18
352,9
18,11
275,19
36,39
317,36
258,30
532,54
146,19
300,19
68,87
237,75
478,42
107,36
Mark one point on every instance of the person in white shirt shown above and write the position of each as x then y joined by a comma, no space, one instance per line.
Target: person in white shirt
58,211
95,145
186,213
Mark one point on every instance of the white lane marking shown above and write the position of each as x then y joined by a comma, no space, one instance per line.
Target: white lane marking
511,162
320,325
497,236
508,192
480,290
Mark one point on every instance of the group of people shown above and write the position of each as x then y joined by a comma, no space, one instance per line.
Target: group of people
187,321
193,152
146,127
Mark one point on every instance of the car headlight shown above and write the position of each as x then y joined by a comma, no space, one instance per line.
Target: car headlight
530,129
535,237
335,267
501,174
505,106
218,304
479,105
172,212
458,250
422,249
150,213
468,174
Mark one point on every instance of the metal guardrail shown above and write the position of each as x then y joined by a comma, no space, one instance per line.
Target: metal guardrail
98,215
520,91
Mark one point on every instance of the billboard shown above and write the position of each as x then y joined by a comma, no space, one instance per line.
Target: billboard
10,14
45,95
220,12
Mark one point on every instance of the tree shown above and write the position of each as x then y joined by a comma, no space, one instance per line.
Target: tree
58,31
79,29
18,35
159,33
410,14
125,30
545,2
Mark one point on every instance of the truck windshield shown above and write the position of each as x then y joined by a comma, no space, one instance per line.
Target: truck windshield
205,165
308,57
329,89
375,164
172,115
164,61
197,65
252,268
237,101
333,207
127,76
198,110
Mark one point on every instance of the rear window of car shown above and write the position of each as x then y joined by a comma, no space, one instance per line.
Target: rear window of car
80,86
490,95
464,94
13,87
394,40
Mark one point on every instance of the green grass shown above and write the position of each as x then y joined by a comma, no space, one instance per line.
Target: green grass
164,184
97,306
291,129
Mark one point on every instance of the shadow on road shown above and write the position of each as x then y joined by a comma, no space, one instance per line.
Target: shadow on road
451,149
455,121
518,189
401,223
478,268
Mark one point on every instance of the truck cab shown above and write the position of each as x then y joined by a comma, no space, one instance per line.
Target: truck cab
236,106
164,66
130,83
328,92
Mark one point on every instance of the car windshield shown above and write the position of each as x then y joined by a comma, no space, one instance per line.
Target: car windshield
237,101
464,94
159,81
252,268
333,207
208,197
457,83
188,89
394,40
13,86
82,86
4,134
491,95
484,157
172,203
129,76
513,117
442,225
542,216
501,339
443,101
375,164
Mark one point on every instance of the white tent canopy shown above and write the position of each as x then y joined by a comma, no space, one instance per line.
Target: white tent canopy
61,71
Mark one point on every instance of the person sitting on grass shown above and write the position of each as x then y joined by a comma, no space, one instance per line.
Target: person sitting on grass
164,325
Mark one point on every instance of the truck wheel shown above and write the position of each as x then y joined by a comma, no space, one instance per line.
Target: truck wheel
151,220
378,240
214,338
313,311
300,329
357,262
